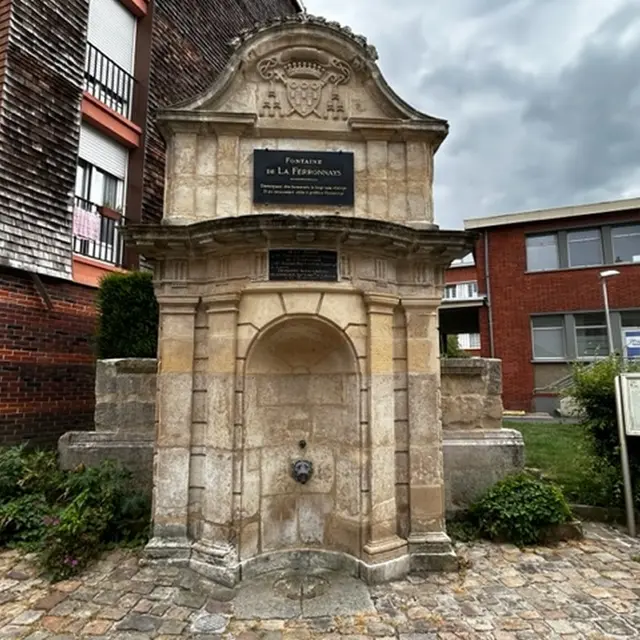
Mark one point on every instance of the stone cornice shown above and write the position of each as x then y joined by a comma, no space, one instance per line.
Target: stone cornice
228,235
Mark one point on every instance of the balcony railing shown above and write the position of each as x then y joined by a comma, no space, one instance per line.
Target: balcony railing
108,82
97,233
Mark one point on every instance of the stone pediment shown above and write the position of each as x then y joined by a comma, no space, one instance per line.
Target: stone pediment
309,74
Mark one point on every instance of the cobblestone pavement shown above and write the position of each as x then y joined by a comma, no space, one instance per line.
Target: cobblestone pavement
587,589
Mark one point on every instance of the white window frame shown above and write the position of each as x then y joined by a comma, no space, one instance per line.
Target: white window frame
461,290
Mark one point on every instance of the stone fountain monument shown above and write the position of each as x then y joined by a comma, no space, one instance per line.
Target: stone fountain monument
299,274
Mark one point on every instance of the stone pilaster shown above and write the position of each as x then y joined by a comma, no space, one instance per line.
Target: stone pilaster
429,545
173,438
216,554
385,553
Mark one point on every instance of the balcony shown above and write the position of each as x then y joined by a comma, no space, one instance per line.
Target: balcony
97,233
108,82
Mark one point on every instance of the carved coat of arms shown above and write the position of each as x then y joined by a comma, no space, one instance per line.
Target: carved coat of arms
305,73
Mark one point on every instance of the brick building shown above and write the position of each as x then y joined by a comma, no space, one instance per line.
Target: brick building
461,304
538,273
80,155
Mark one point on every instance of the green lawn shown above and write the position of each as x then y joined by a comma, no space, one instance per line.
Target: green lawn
561,451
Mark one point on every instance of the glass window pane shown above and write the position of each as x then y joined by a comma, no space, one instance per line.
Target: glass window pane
592,342
110,191
548,343
553,322
474,341
450,291
542,253
590,320
585,248
626,243
96,188
630,318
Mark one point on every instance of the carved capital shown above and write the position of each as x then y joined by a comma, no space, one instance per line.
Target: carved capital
177,305
422,304
380,303
222,303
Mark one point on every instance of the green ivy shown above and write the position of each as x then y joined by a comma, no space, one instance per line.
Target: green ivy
519,509
128,323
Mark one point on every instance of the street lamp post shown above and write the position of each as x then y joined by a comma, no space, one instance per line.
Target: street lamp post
622,436
603,278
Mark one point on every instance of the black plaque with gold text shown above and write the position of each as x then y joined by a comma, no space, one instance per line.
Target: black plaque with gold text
303,264
303,177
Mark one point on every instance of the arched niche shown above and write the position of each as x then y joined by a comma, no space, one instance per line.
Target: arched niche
301,386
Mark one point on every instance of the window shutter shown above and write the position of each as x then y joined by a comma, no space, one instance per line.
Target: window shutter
103,152
112,29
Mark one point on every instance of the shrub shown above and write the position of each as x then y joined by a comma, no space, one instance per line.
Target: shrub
593,390
519,509
67,518
128,324
454,350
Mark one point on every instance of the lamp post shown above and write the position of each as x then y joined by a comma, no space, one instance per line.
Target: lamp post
603,278
624,455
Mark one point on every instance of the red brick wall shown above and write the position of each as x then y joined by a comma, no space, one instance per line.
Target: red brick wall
461,274
515,295
46,362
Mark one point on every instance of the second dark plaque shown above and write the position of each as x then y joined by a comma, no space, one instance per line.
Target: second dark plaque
303,264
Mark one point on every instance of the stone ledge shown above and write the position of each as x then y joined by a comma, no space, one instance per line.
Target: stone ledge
131,365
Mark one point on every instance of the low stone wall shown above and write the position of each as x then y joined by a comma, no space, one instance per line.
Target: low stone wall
124,420
477,451
471,394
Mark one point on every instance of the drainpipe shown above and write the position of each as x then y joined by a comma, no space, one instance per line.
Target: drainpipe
487,285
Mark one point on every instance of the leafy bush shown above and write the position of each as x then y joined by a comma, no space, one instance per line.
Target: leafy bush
519,509
67,518
593,391
128,325
454,350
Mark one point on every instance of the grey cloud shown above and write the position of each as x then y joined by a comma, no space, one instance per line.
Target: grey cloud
530,127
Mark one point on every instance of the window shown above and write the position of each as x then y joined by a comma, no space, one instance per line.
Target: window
450,292
461,291
542,252
112,30
630,318
591,335
626,243
98,187
548,338
469,340
584,248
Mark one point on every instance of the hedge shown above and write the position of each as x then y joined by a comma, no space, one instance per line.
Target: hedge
128,324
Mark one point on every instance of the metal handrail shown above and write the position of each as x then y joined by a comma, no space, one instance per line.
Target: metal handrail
98,232
108,81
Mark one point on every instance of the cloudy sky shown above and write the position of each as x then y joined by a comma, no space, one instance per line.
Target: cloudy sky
542,96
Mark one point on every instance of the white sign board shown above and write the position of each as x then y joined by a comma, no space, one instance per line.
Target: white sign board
630,385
